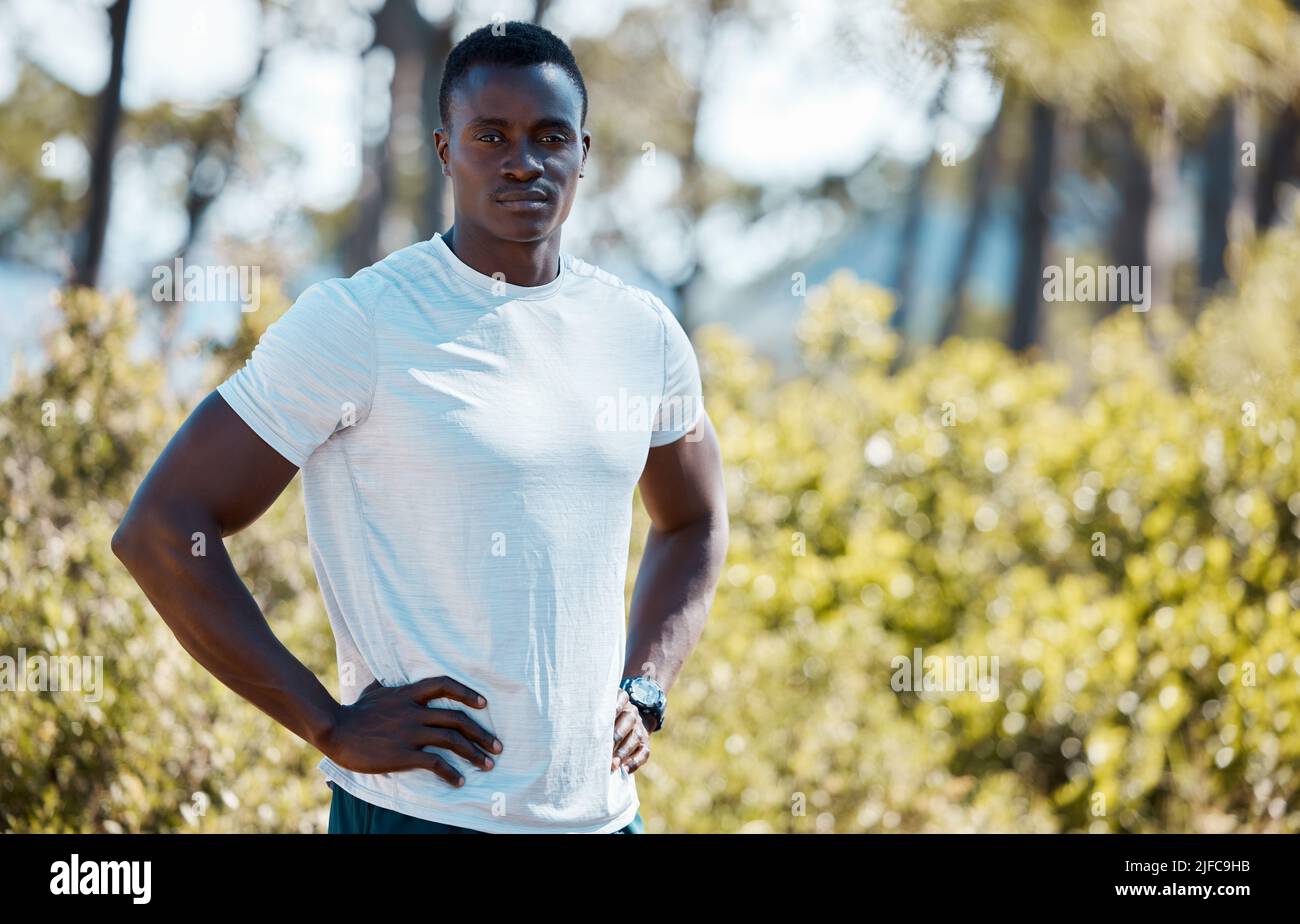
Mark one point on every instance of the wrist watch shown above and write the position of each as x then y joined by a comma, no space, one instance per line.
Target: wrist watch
648,697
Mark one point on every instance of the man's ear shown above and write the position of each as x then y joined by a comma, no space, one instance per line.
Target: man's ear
440,147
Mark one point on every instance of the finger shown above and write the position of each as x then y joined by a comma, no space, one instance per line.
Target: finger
454,718
624,723
629,744
622,747
637,758
424,760
450,739
445,688
623,699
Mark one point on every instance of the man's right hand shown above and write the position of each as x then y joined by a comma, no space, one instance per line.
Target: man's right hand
387,729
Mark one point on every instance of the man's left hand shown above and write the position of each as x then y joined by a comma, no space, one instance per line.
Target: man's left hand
631,736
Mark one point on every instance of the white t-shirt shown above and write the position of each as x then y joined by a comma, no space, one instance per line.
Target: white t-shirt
469,449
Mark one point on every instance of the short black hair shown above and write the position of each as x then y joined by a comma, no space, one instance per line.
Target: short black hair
515,44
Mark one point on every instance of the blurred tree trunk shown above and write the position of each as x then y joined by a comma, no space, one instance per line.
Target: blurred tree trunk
1164,192
1278,165
401,29
909,237
986,169
1148,186
435,212
86,268
214,161
1220,157
1035,225
1129,235
1241,212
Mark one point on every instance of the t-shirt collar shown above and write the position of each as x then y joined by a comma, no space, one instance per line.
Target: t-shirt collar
495,286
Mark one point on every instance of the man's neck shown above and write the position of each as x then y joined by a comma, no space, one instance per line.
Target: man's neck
526,263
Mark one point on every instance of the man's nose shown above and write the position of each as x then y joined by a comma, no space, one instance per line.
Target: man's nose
522,160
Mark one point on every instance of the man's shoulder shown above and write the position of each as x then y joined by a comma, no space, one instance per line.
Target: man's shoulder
381,280
612,286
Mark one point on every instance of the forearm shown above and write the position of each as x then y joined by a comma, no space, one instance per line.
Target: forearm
215,619
674,589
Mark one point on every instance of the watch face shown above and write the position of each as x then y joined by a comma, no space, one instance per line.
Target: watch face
644,691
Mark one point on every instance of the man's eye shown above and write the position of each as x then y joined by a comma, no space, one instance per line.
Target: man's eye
488,135
560,138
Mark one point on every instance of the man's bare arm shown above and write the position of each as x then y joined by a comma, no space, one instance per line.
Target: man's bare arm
683,492
215,477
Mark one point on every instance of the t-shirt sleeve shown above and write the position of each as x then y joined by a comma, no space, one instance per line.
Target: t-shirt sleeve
311,373
682,403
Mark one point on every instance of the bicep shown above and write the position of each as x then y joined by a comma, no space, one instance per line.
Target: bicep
214,466
682,481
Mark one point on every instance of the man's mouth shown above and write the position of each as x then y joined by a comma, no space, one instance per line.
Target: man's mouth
524,205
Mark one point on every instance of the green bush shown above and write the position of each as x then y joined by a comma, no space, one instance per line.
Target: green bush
165,746
1123,537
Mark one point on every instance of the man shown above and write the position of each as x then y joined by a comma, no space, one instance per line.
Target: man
471,415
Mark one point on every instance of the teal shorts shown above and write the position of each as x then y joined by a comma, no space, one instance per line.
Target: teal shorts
350,815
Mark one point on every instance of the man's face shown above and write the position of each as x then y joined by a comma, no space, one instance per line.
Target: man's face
514,150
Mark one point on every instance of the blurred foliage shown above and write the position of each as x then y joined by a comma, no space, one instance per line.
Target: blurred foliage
1124,540
1102,57
166,747
1148,684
